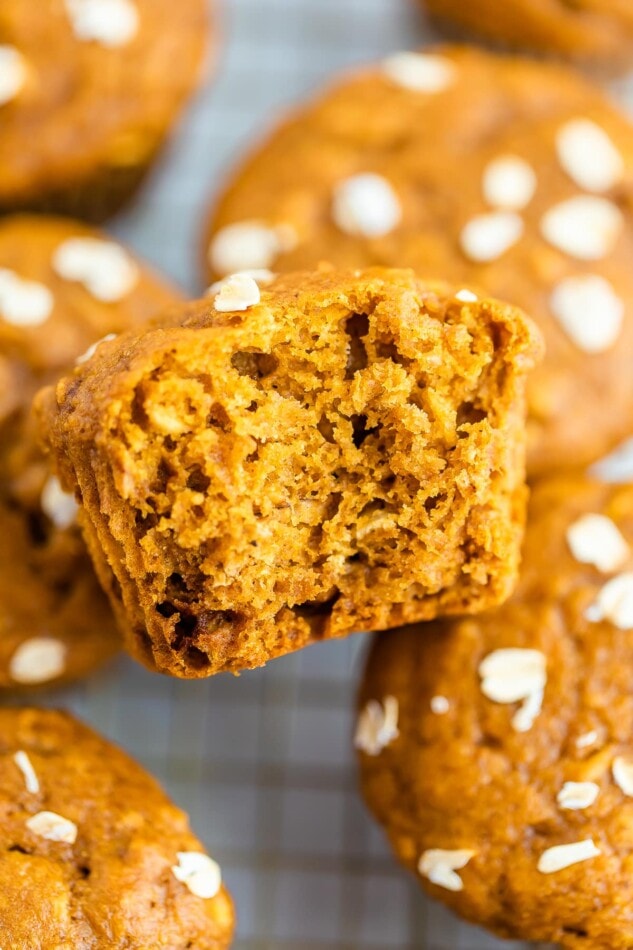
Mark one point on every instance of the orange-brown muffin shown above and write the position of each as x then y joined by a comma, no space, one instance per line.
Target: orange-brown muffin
92,852
593,32
63,286
89,90
497,750
493,172
341,451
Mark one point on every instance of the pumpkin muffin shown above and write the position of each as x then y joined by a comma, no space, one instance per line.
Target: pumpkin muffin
89,91
597,34
337,452
494,172
92,852
496,750
63,286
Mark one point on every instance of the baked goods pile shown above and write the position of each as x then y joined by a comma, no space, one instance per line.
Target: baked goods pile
419,314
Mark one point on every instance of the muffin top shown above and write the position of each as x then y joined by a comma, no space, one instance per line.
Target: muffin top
501,173
496,750
596,34
90,83
93,853
63,287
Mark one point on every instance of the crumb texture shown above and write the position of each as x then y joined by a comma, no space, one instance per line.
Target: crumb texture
88,843
527,766
345,455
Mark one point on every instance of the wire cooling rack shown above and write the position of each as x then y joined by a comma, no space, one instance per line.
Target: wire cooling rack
263,763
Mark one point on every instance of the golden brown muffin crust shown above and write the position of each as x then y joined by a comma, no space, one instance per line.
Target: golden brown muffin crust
102,876
55,624
91,113
593,32
345,455
431,147
461,775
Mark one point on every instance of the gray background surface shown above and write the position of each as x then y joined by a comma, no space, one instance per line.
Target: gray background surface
264,763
